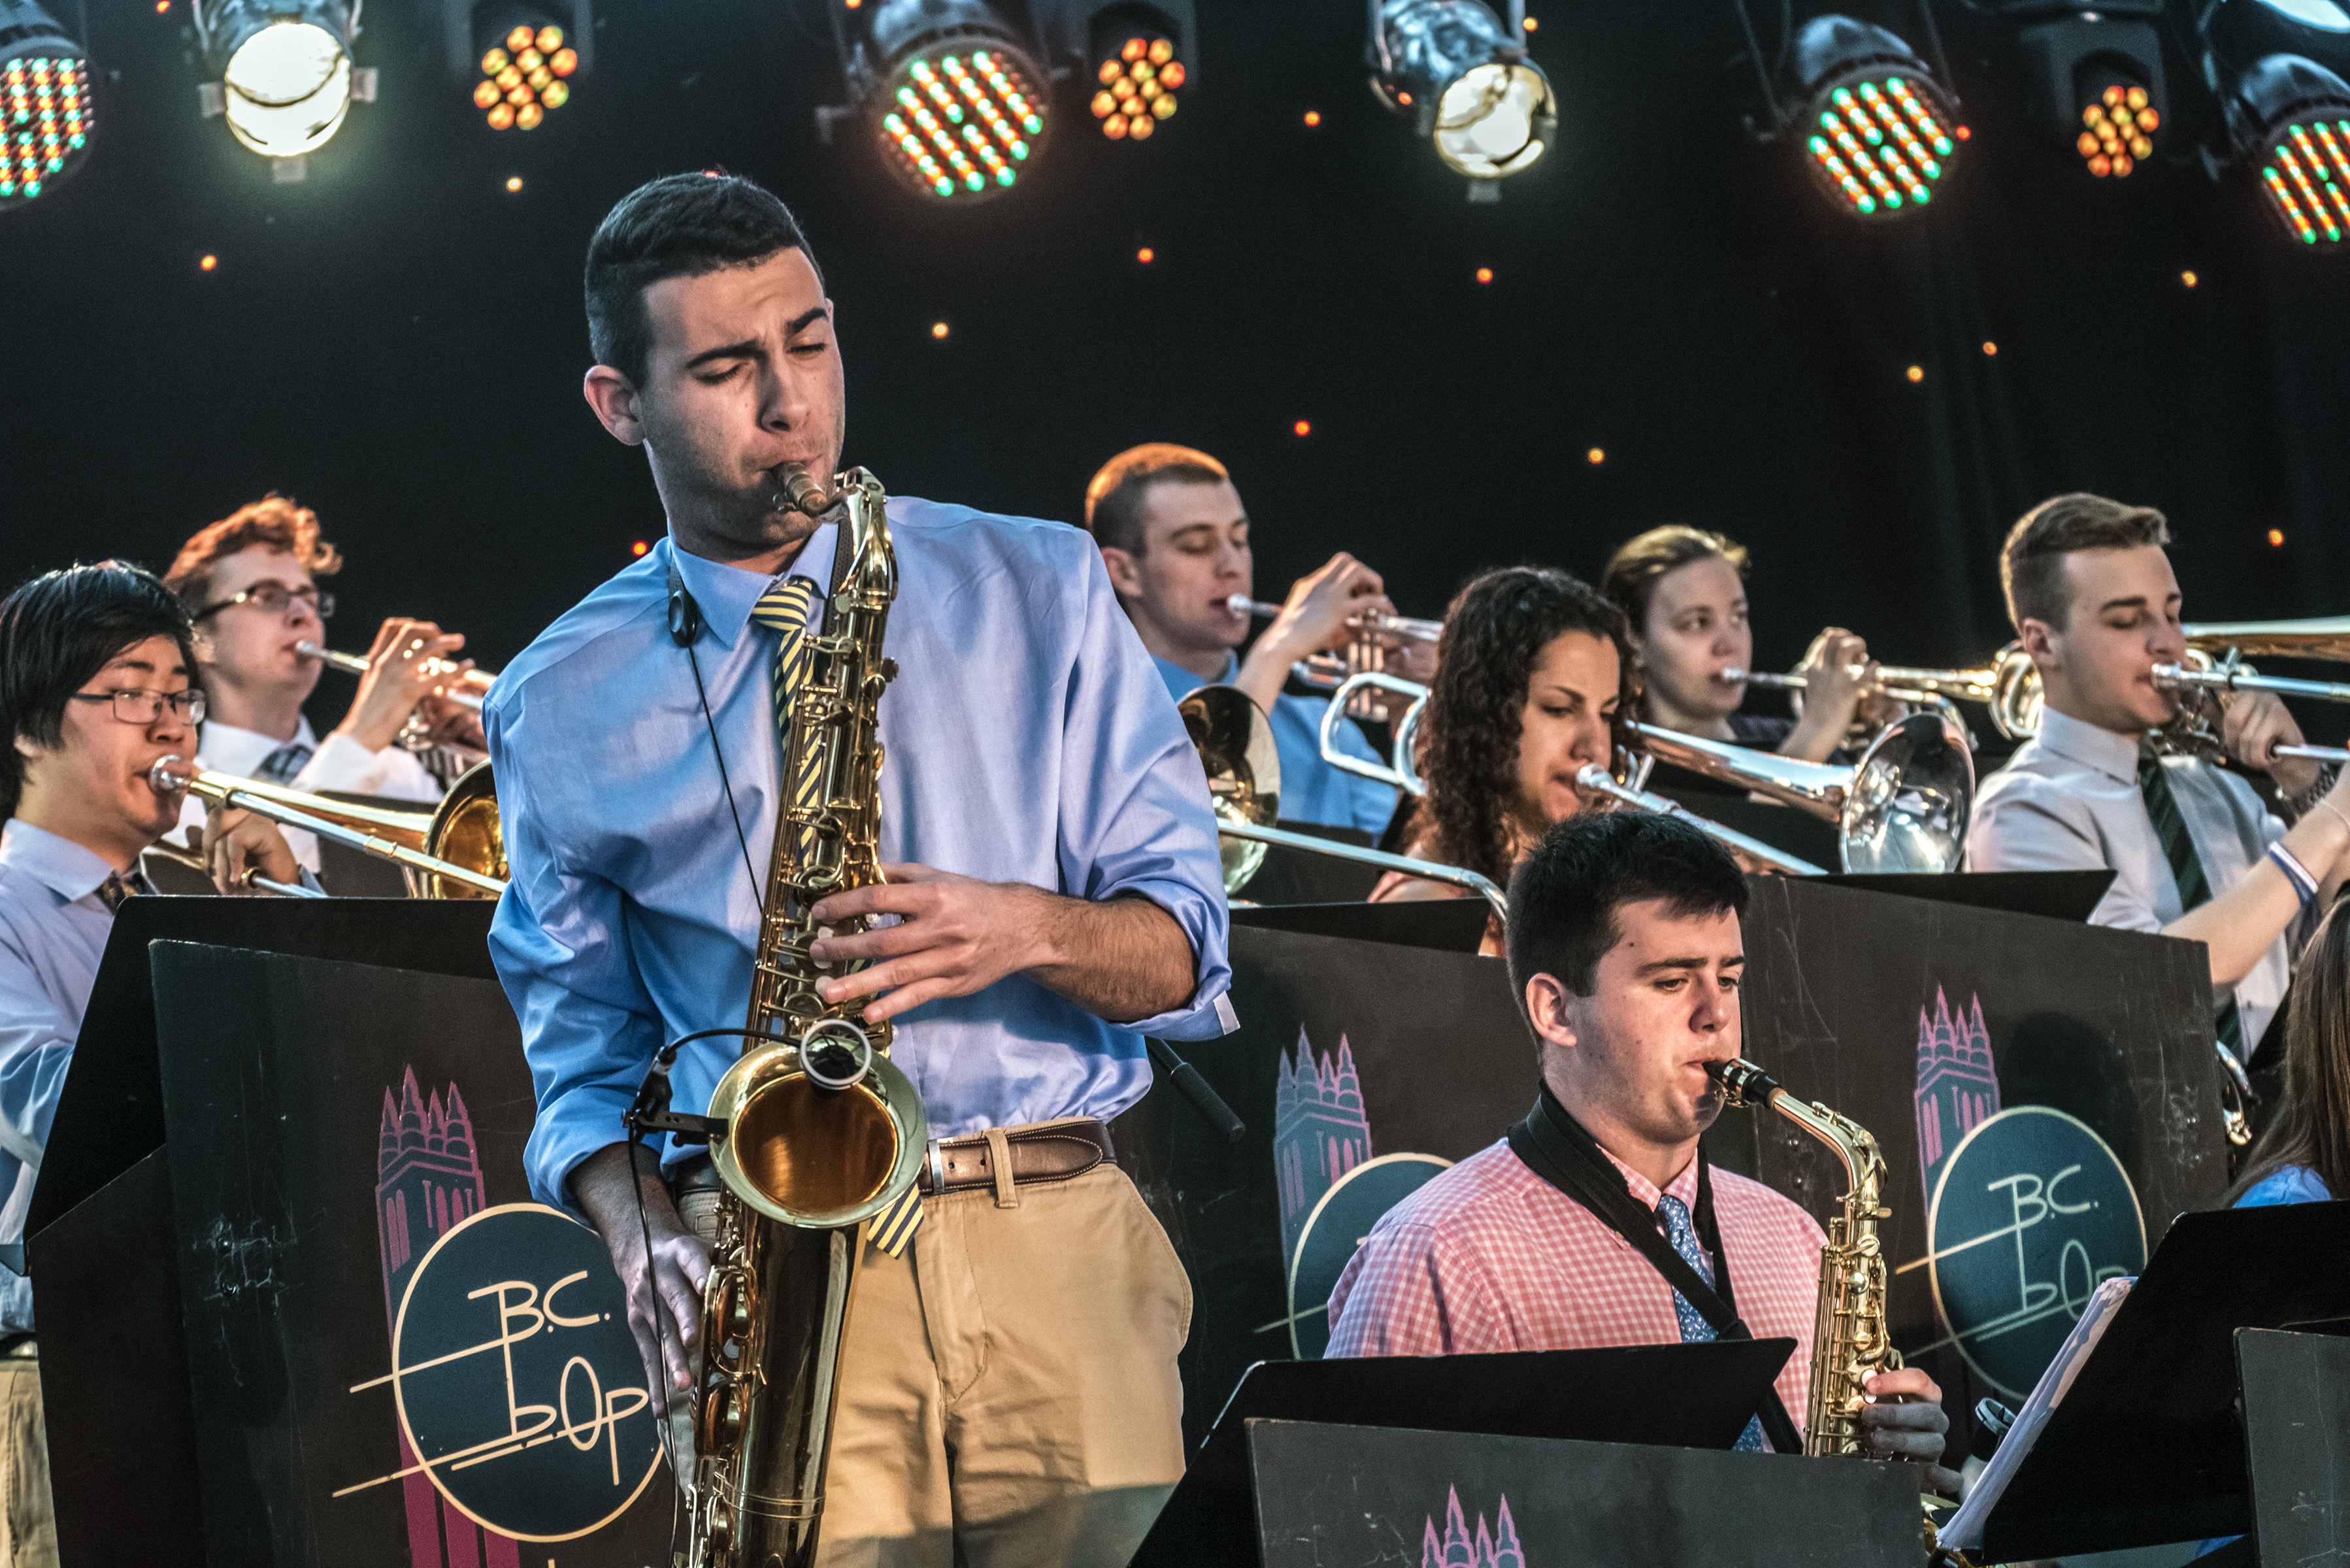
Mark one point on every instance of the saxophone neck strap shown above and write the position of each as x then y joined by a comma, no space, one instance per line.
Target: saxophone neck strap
1554,1145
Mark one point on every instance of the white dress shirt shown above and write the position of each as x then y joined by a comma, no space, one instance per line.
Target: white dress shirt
2068,800
336,762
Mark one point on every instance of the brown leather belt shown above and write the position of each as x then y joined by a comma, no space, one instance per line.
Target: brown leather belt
1047,1152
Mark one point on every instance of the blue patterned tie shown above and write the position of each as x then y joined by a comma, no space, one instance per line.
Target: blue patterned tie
784,610
1695,1329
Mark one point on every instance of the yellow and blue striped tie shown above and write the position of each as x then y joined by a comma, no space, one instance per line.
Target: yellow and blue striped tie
784,610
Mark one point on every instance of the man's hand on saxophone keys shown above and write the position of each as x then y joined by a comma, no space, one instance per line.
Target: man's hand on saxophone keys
1904,1420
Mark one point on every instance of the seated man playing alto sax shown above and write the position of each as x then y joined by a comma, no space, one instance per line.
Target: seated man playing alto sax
1625,947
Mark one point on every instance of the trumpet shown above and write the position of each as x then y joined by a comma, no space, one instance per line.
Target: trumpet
466,688
1940,689
1377,636
1234,741
422,842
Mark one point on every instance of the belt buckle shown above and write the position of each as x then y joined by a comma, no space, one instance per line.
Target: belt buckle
938,1168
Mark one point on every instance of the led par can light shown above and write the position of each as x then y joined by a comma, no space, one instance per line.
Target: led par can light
2290,118
46,109
285,71
1878,134
960,107
1135,59
520,62
1466,82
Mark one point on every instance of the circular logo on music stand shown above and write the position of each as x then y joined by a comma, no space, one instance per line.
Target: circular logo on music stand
2030,1212
1335,1228
518,1383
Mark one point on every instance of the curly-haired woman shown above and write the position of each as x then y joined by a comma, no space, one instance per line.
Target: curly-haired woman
1531,679
2304,1156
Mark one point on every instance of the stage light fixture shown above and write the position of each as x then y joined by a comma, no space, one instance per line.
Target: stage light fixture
47,114
1466,80
521,62
959,105
1879,133
1136,56
2093,70
2287,113
286,77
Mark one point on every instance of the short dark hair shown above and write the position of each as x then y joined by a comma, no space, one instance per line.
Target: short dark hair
679,225
1120,489
1563,898
56,633
272,522
1639,564
2032,562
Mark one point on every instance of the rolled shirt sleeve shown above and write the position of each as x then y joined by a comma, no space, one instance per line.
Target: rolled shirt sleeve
1135,819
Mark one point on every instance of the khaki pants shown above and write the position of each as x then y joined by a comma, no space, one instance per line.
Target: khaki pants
28,1526
1008,1395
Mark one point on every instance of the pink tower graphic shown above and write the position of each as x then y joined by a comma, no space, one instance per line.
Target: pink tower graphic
1496,1547
428,1178
1318,1131
1958,1085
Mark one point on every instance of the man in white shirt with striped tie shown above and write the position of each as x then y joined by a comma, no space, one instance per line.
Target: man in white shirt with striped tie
2195,851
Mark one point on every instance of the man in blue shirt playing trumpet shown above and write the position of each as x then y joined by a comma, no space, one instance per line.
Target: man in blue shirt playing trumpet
1008,1388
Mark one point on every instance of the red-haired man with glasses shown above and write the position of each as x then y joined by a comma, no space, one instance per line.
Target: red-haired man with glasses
250,585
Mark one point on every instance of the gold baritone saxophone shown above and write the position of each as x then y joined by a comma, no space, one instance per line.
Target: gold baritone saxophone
821,1130
1850,1341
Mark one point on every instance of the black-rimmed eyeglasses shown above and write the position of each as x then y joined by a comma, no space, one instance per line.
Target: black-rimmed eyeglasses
133,706
273,599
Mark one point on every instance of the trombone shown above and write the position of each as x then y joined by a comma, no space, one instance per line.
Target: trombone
164,849
455,850
2214,662
1939,689
471,685
1596,780
1904,806
1235,744
1367,653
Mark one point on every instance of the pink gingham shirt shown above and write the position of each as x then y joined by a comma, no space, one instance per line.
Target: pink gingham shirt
1488,1256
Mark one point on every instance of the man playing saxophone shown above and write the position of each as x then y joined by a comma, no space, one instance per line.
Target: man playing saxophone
1625,946
1008,1390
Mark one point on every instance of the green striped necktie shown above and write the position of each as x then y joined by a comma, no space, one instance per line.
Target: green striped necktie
2187,870
784,610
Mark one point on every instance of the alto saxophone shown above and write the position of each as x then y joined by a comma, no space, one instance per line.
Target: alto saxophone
821,1131
1850,1341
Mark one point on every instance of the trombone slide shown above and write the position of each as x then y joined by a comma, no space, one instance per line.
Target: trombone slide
1599,781
1428,870
2229,677
172,776
252,877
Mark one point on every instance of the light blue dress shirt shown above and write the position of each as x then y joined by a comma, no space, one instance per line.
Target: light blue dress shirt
53,931
1311,789
1027,740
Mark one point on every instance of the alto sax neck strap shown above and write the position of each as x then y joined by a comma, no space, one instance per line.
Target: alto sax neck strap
1554,1145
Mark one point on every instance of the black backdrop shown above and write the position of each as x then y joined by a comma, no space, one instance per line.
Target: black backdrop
397,340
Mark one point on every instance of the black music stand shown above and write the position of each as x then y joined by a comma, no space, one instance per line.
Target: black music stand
1447,925
2055,895
2147,1446
1688,1395
102,1249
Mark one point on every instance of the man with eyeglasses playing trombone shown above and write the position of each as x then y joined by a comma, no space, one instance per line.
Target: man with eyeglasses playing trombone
249,582
96,668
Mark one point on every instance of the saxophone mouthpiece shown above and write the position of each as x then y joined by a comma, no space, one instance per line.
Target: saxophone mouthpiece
1742,1083
802,492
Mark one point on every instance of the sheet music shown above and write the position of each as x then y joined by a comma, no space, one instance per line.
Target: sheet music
1966,1525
